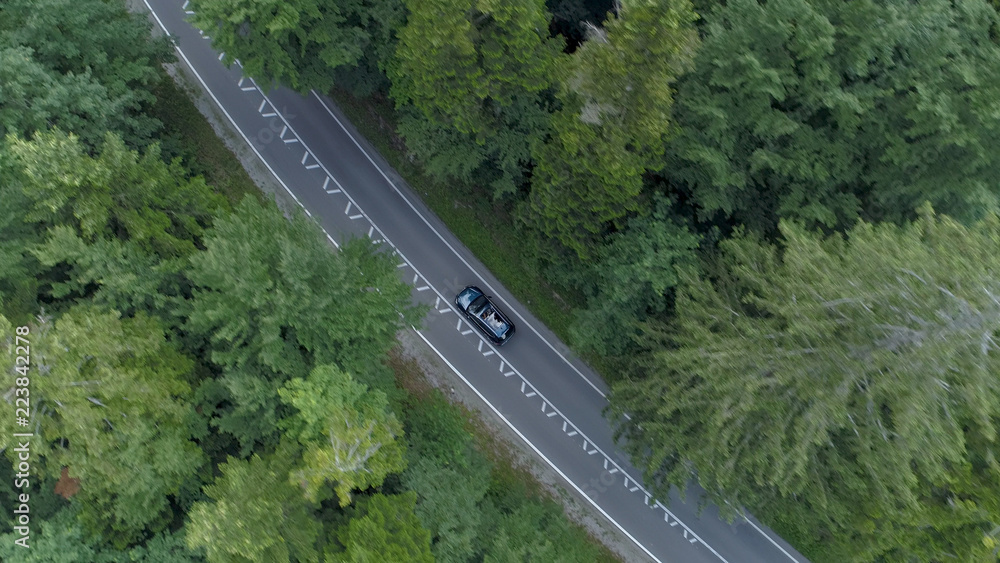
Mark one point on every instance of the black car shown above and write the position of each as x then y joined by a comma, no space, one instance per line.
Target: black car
485,315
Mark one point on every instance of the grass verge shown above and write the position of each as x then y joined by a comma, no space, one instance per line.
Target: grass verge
188,135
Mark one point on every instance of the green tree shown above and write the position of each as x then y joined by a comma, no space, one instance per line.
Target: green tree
632,279
448,474
384,528
101,60
33,98
470,77
615,118
114,227
844,386
806,110
535,532
274,300
60,539
109,273
19,273
117,194
297,43
347,431
108,400
447,504
256,516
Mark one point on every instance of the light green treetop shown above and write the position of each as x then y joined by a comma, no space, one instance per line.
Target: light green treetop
347,431
256,516
108,400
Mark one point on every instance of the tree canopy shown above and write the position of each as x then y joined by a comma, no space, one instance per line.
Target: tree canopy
616,98
256,516
384,528
470,77
273,300
847,382
805,110
298,43
88,67
109,401
347,432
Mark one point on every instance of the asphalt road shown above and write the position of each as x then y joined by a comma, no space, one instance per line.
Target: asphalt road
534,383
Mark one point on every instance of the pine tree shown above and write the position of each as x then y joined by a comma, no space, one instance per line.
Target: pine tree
848,381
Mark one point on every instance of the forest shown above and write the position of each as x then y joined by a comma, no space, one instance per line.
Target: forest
209,380
772,225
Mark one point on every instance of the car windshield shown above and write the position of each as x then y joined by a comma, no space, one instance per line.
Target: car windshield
477,306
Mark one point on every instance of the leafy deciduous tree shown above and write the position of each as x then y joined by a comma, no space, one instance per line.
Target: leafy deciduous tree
809,110
347,430
100,61
615,118
117,194
469,76
108,400
384,528
630,281
256,516
274,301
299,43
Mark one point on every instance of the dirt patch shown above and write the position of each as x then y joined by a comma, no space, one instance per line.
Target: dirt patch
577,509
67,486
